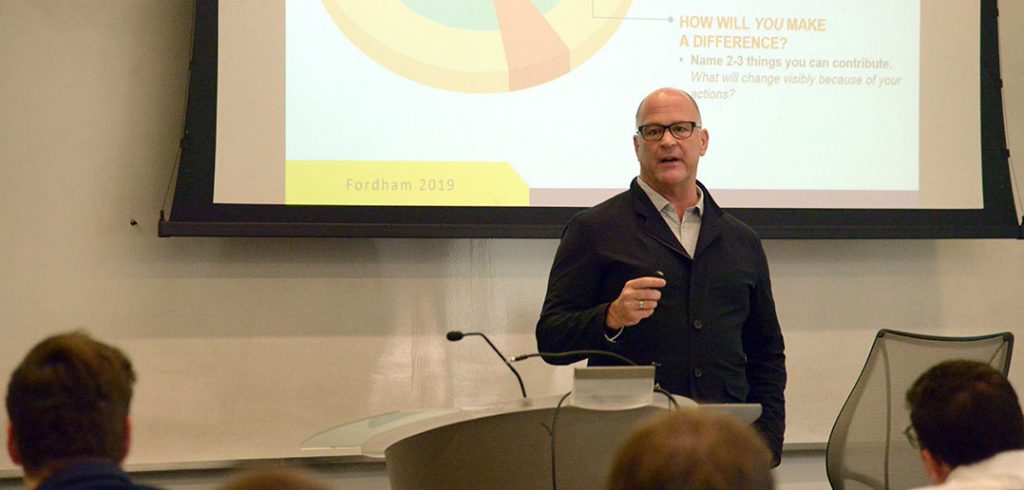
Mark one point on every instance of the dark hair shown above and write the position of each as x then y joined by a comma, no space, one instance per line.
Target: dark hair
965,412
692,450
68,400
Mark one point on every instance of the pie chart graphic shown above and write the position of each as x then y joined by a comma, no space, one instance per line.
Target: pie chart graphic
479,46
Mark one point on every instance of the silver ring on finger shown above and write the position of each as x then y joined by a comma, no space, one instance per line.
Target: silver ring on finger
642,305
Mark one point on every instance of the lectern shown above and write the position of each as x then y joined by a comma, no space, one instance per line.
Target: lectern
563,441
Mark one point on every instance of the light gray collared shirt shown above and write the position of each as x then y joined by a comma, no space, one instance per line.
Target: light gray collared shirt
686,230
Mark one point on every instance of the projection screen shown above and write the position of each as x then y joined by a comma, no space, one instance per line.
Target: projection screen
501,119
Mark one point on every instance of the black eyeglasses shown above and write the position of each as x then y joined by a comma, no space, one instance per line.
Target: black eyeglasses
912,436
680,130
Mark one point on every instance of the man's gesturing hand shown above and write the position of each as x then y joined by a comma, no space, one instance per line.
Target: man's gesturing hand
638,299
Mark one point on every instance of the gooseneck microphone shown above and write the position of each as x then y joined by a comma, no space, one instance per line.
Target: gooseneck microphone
573,353
455,336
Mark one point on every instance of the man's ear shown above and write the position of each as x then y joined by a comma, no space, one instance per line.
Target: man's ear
12,446
127,435
937,470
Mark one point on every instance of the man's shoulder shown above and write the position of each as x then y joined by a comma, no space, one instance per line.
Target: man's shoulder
738,227
729,225
999,472
713,215
616,206
91,477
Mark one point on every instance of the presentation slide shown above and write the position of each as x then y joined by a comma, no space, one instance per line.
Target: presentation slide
532,103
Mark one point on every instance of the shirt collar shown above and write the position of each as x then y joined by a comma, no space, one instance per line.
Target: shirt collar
660,202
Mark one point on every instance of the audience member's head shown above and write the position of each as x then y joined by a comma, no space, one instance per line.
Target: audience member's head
275,479
692,450
963,412
68,402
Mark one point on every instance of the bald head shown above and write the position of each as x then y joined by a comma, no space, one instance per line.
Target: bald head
665,93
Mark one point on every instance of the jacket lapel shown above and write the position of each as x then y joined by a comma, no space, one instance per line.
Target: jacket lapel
652,221
710,222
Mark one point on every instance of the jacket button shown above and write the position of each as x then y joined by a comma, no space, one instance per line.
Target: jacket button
698,372
698,324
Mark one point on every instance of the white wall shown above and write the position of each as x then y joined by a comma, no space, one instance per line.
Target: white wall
246,346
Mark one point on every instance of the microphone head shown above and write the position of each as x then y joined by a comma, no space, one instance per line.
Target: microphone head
454,335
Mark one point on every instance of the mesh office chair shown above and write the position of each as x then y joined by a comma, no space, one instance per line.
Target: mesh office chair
867,448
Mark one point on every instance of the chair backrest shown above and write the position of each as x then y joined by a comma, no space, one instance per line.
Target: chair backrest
867,448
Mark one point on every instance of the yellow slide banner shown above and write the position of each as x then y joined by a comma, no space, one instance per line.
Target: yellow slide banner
362,183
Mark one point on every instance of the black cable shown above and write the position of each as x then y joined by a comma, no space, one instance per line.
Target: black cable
551,431
673,404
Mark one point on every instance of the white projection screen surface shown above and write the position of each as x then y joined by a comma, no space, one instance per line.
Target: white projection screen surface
505,117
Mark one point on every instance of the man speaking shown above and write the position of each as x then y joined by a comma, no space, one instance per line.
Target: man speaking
663,276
